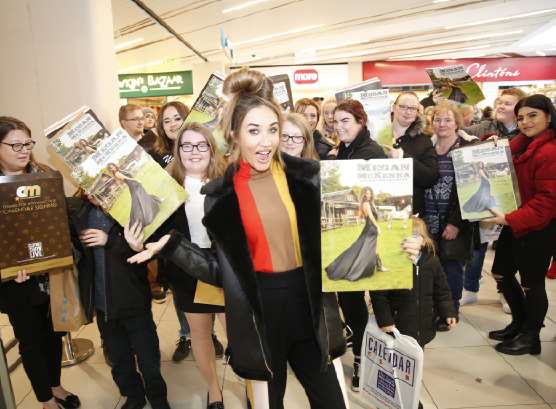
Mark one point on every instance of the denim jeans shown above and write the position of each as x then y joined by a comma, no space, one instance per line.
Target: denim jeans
184,331
125,339
474,269
454,275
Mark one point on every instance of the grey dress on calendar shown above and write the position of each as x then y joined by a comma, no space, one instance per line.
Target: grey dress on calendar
144,207
360,259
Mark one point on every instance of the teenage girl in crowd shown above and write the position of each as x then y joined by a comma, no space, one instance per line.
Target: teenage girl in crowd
264,220
197,162
326,122
25,299
526,243
350,123
311,111
172,115
296,139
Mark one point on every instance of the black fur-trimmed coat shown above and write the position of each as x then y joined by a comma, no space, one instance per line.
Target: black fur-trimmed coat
232,269
418,146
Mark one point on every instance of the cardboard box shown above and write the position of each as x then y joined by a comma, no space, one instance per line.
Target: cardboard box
34,224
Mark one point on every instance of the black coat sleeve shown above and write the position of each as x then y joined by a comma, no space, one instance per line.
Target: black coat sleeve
380,301
425,166
441,291
454,212
197,262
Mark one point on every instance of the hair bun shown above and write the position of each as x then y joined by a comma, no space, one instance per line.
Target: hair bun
248,82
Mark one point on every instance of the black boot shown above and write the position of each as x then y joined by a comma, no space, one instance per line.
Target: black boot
355,377
523,343
506,333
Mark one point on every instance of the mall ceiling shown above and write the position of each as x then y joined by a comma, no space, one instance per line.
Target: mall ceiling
273,32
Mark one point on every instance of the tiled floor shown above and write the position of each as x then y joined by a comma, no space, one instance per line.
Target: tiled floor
462,370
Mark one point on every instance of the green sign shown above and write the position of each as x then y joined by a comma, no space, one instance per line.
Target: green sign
155,85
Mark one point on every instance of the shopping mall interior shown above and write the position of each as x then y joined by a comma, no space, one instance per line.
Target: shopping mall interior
61,55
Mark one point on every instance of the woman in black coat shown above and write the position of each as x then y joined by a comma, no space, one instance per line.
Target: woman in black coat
350,122
25,299
276,312
411,142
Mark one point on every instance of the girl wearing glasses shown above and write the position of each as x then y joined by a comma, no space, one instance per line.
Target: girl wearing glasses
296,139
198,161
25,299
410,141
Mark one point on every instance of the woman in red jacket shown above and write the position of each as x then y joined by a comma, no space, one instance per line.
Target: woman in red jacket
527,239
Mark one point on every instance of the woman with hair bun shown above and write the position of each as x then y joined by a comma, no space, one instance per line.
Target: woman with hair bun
264,221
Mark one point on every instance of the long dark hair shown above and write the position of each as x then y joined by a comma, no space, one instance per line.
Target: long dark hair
163,145
364,199
541,102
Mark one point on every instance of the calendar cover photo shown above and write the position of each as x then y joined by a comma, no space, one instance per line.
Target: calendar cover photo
365,215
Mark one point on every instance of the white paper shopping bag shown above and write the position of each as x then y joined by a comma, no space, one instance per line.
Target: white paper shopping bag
391,368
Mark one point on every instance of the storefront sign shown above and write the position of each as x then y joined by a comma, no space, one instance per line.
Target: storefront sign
309,76
156,84
480,69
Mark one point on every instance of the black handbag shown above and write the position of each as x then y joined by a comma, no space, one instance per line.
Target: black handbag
459,249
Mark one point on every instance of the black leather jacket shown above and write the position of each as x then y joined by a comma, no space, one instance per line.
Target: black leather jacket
231,267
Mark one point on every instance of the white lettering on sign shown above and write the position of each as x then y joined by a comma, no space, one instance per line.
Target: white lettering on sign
131,84
164,81
28,192
35,249
480,71
305,76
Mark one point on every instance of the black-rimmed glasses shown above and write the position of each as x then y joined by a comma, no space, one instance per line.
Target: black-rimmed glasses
18,147
295,138
188,147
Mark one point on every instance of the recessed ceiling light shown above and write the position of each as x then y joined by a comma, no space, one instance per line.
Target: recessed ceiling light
268,37
494,20
445,51
127,43
242,6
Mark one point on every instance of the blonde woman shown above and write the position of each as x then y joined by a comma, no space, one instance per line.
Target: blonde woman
326,122
296,139
198,161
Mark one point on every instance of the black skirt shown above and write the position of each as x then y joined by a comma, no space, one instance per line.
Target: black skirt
184,292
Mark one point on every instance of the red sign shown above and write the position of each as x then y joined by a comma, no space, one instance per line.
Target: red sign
305,76
480,69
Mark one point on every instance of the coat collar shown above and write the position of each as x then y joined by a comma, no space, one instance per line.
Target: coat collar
359,140
524,148
224,224
416,127
464,136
